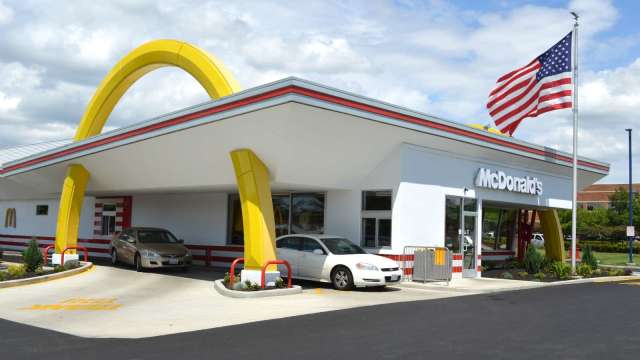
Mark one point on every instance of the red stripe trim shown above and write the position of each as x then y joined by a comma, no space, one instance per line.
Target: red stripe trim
398,257
457,256
457,269
15,243
52,238
479,269
305,92
216,248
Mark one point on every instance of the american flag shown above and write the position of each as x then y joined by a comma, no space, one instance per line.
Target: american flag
540,86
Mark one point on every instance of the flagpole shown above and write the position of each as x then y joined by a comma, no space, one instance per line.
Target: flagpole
574,211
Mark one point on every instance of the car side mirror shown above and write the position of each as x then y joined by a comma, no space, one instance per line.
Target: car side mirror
180,241
318,251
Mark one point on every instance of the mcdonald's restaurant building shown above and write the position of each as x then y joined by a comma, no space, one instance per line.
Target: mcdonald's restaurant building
381,175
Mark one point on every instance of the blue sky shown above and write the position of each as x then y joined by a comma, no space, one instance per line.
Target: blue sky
439,57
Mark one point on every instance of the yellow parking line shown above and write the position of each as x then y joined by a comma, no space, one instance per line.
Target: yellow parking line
72,304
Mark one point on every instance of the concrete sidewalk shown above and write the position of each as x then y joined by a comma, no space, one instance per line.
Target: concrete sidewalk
474,286
121,303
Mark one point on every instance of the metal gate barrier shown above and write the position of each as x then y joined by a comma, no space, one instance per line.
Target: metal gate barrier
429,263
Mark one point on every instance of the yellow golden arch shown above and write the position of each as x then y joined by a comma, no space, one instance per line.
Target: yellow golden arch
214,77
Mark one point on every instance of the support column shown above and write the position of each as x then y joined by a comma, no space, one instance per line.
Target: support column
258,223
71,200
553,240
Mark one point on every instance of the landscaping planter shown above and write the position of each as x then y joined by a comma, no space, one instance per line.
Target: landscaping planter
223,290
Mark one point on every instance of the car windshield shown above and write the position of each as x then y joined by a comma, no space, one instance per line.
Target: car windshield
156,237
340,246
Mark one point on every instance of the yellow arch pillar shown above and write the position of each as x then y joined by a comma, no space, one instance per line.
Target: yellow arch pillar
206,69
252,177
553,239
73,190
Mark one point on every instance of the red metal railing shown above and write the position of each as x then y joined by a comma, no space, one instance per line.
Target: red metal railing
232,270
86,253
275,262
45,252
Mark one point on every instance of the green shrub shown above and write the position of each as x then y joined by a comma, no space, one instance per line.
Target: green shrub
584,270
560,270
546,264
68,265
3,276
540,276
280,283
532,260
523,274
597,272
249,286
31,256
507,275
616,272
588,257
16,271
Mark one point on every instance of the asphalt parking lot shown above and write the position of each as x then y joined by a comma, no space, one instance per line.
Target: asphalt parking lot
585,321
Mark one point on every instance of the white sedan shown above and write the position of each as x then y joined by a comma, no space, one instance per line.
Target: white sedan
336,260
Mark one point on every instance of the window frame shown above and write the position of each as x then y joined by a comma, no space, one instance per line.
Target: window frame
377,215
42,206
231,197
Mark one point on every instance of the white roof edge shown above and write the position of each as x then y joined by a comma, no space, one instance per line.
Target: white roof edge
291,81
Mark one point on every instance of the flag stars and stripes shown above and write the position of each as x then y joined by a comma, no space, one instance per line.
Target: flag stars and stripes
543,85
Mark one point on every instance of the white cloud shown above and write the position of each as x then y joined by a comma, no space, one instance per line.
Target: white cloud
8,103
6,14
429,56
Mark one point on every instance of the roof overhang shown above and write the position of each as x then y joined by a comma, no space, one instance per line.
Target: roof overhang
265,105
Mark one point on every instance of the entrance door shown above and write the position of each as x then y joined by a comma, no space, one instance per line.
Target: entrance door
460,231
468,245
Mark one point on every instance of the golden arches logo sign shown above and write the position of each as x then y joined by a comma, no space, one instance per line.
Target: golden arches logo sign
205,68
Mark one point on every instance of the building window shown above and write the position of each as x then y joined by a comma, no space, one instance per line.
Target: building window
498,228
376,200
10,218
294,213
108,223
307,214
42,210
376,219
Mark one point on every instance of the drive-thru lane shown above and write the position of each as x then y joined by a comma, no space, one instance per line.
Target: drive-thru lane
587,321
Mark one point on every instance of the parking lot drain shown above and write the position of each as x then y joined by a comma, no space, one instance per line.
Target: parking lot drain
75,304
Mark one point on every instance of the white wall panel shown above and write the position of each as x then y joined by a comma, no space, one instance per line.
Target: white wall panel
198,218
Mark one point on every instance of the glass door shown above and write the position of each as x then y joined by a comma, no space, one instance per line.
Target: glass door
468,245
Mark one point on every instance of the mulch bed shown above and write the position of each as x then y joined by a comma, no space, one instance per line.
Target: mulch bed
497,274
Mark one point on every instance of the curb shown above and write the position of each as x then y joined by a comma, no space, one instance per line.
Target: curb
534,285
40,279
222,290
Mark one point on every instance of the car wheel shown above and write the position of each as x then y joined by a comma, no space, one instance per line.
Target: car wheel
114,257
342,278
138,263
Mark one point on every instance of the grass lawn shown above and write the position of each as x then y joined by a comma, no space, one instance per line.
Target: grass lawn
606,258
615,258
